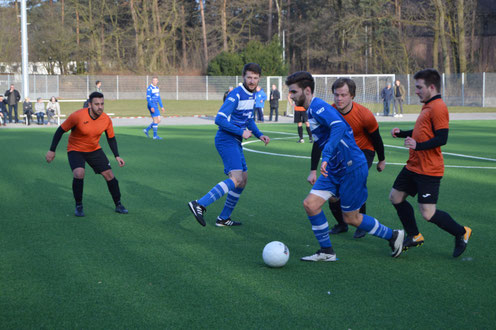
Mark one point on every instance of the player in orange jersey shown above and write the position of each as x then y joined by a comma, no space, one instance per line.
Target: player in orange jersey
425,167
87,126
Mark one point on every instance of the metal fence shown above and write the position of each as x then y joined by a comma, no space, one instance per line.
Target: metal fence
472,89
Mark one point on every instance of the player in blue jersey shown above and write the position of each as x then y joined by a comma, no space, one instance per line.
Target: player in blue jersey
154,105
235,121
344,172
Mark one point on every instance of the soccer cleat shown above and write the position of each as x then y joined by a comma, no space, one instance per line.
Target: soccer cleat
396,243
79,211
301,141
310,141
320,255
157,138
338,229
121,209
197,211
226,223
359,233
461,242
413,241
146,132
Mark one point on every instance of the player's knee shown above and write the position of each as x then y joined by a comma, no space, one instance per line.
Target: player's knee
394,198
427,214
352,218
108,175
310,205
78,173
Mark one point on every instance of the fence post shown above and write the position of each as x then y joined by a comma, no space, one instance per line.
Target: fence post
483,89
87,85
177,88
363,89
46,86
408,84
34,84
377,97
443,93
206,87
58,84
325,80
117,89
463,88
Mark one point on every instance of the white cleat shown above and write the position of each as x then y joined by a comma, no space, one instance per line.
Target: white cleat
320,256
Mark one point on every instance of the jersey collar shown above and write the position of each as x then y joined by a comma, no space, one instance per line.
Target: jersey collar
438,96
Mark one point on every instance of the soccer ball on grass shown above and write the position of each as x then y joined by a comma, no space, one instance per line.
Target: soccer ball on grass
275,254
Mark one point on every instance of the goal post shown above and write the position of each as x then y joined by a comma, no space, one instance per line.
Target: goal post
368,88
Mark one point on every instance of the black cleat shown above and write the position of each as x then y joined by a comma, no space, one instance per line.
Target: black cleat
359,233
338,229
121,209
396,243
461,242
198,212
79,211
227,222
413,241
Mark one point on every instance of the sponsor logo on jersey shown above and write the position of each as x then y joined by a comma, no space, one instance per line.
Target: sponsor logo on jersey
320,111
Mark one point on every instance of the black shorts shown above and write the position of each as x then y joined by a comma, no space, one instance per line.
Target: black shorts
300,117
369,156
426,186
96,159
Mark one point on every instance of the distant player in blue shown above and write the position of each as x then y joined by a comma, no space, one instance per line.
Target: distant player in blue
260,98
344,172
235,121
154,105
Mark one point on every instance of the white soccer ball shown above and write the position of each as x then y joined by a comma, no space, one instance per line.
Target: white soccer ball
275,254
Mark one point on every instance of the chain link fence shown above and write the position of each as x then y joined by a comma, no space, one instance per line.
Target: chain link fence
472,89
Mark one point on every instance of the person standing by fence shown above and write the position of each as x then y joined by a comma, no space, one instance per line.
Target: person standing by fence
154,105
274,102
399,97
13,97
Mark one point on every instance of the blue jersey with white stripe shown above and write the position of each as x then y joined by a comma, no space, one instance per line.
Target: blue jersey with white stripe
334,137
153,97
236,114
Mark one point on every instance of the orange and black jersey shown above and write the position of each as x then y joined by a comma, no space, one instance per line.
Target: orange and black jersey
86,132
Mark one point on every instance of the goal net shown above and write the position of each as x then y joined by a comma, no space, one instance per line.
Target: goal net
368,89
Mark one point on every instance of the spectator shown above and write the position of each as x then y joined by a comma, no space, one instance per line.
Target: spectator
39,111
387,98
53,109
3,110
399,97
98,86
260,98
227,93
27,108
13,98
274,102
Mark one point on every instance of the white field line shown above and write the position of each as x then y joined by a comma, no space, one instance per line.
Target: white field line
386,145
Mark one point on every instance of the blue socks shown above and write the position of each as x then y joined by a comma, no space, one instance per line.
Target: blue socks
217,192
320,229
155,128
374,227
149,127
231,201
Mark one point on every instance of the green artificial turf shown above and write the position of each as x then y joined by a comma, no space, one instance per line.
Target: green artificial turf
158,268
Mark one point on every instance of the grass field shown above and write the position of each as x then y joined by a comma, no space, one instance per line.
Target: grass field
158,268
125,108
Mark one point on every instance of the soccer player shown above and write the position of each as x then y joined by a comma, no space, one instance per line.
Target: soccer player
425,167
87,126
154,105
235,121
367,137
344,172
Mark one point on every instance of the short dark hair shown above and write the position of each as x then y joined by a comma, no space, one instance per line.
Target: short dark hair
95,95
253,67
97,82
345,81
431,77
303,79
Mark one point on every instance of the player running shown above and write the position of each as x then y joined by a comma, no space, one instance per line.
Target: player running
87,126
235,121
367,137
154,105
344,172
425,167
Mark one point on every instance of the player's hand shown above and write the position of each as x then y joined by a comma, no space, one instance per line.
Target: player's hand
395,131
312,177
120,161
50,155
323,169
152,109
163,110
246,134
265,139
381,165
410,143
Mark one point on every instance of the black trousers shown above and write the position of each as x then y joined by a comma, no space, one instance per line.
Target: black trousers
15,111
272,110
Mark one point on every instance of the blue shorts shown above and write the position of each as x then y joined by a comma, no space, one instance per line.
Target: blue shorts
231,152
351,188
155,113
